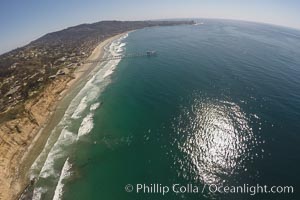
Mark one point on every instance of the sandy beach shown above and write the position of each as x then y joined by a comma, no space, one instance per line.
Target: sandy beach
18,150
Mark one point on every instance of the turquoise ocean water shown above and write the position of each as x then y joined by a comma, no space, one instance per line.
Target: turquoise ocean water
218,106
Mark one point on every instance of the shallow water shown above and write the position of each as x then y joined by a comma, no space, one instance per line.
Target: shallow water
219,105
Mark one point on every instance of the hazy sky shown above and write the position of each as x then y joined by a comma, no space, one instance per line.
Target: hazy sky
22,21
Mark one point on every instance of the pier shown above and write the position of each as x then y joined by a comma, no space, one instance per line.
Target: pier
133,55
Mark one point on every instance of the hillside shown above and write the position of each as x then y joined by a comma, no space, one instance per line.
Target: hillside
24,72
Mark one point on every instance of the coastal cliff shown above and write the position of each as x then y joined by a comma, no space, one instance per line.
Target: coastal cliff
32,80
16,135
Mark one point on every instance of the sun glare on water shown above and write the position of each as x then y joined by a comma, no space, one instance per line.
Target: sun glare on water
215,139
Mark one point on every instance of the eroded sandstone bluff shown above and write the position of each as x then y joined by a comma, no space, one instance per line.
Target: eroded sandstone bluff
29,80
16,135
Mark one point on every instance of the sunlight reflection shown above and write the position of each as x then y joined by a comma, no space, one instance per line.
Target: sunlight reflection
215,139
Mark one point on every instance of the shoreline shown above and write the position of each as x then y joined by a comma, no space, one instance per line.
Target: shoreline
68,89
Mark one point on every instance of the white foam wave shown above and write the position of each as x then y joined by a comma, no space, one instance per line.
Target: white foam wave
37,193
61,138
81,107
120,48
65,139
86,126
92,89
124,36
115,49
89,92
109,71
65,173
51,141
95,106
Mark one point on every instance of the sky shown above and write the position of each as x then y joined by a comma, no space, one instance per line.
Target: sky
22,21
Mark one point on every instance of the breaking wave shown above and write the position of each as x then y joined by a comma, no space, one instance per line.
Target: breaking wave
86,126
47,168
95,106
65,173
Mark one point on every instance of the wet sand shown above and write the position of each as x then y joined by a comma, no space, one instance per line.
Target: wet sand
21,180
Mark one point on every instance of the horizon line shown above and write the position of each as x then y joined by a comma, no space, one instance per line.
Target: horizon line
155,19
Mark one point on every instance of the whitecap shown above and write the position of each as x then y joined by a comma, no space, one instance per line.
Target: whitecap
38,192
80,108
95,106
65,173
65,139
56,148
86,126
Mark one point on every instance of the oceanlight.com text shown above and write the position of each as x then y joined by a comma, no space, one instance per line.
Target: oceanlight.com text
212,188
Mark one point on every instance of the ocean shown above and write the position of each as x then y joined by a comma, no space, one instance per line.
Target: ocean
218,106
